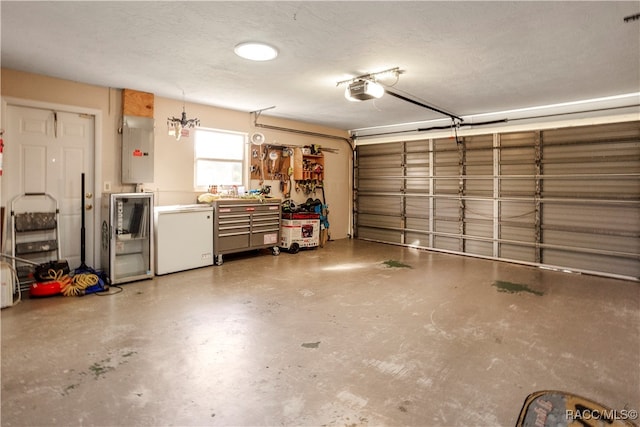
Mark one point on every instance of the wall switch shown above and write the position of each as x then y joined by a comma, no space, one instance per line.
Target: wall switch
107,186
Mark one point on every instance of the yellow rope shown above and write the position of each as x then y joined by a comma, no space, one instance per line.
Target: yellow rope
54,275
85,280
77,285
65,284
72,286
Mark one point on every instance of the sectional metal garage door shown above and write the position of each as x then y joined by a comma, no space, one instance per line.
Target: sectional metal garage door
566,198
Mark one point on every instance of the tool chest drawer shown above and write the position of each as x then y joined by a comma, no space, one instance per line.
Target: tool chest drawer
233,224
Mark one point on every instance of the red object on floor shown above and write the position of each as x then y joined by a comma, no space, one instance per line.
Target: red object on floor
301,215
45,289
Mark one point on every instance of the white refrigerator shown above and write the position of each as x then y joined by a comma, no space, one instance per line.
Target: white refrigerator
183,237
127,236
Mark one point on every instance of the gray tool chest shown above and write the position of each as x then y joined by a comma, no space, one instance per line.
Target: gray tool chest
245,224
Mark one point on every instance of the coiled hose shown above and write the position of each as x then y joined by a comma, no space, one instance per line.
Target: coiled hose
72,286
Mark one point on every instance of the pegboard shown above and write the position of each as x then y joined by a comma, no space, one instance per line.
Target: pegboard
270,162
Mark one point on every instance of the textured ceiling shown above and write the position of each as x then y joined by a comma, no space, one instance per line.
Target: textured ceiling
464,57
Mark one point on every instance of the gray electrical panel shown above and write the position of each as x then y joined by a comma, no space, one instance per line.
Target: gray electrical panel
137,150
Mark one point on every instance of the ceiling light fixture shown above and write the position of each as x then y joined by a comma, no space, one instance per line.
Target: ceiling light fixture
177,125
255,51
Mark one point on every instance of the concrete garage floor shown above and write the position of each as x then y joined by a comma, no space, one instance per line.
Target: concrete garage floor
332,336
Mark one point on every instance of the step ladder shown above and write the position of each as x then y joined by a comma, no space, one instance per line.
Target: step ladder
35,234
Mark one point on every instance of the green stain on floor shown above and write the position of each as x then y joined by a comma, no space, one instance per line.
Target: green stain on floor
68,388
311,344
514,288
395,264
99,369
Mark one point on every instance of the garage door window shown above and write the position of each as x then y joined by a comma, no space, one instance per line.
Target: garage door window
219,158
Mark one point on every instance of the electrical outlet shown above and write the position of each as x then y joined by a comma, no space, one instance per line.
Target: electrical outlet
107,186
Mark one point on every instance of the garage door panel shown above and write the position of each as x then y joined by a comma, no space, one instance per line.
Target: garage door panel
517,187
479,141
517,155
507,170
522,211
477,247
417,207
600,151
380,162
446,170
482,169
479,210
379,173
417,147
596,188
446,226
381,205
517,253
596,133
381,185
592,262
446,208
379,150
525,233
594,217
479,187
416,223
444,144
479,229
479,158
388,236
514,170
417,185
566,197
421,171
446,163
381,221
446,243
417,159
602,242
517,139
623,166
446,185
417,239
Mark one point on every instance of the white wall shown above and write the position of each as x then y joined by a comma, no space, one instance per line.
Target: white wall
173,183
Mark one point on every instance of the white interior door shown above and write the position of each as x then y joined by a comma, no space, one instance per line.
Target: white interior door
46,151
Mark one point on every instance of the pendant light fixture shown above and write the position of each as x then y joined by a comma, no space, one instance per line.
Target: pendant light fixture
176,125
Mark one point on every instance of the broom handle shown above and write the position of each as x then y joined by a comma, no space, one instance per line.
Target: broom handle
82,230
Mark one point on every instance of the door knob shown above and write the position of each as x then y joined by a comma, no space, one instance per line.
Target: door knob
88,207
88,195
